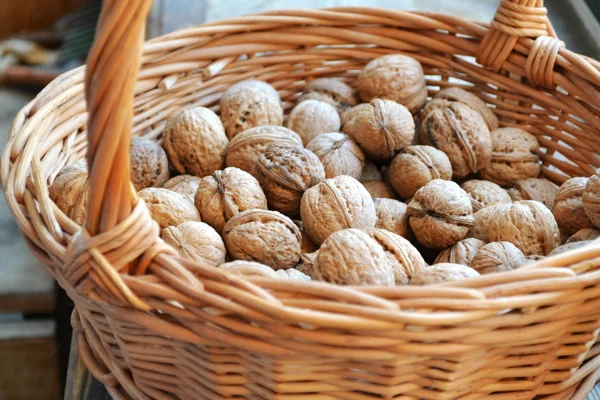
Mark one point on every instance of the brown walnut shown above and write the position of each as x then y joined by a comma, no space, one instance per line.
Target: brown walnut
307,262
339,154
149,163
308,246
461,252
168,208
481,222
405,259
568,207
498,257
444,272
69,186
591,199
392,216
186,185
196,241
370,173
584,234
471,100
537,189
484,193
380,190
332,91
311,118
570,246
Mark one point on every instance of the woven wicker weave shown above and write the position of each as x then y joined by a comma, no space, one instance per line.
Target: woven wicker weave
154,326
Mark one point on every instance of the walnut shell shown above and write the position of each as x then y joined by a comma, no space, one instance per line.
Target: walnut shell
186,185
461,133
370,173
335,204
392,216
461,252
352,257
394,77
568,207
339,154
405,258
149,163
514,157
570,246
481,222
416,166
584,234
382,129
380,189
168,208
196,241
498,257
285,173
591,199
249,104
431,105
264,236
245,148
537,189
308,246
195,142
69,185
332,91
527,224
78,212
440,214
471,100
307,262
311,118
444,272
484,193
226,193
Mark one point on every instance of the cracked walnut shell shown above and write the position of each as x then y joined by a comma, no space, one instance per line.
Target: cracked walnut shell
484,193
440,214
394,77
311,118
168,208
591,199
461,252
537,189
405,258
149,163
339,154
444,272
392,216
498,257
226,193
196,241
332,91
186,185
335,204
568,207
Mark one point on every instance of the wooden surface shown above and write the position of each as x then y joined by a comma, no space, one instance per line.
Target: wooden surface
18,16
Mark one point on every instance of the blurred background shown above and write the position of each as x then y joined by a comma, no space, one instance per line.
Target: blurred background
41,39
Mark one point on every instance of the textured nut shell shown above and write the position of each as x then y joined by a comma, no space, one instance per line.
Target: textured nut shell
481,222
196,241
339,154
307,262
484,193
461,133
264,236
168,208
245,148
394,77
570,246
195,142
245,106
352,257
460,253
370,172
252,84
537,189
416,166
78,212
591,199
584,234
382,129
443,272
68,186
308,246
498,257
149,164
471,100
311,118
514,157
335,204
380,189
285,173
527,224
434,104
332,91
227,193
405,258
440,214
186,185
392,216
568,207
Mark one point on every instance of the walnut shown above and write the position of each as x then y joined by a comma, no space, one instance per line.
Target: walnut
568,207
307,262
285,173
69,185
416,166
245,148
335,204
370,173
570,246
195,142
380,189
405,258
255,269
461,252
381,129
471,100
481,222
264,236
584,234
226,193
149,163
444,272
186,185
461,133
514,157
498,257
168,208
312,118
248,104
394,77
332,91
591,199
78,212
392,216
440,214
196,241
352,257
537,189
527,224
339,154
351,113
434,104
484,193
308,246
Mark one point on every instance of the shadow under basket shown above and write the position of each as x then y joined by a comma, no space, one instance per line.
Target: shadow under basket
155,326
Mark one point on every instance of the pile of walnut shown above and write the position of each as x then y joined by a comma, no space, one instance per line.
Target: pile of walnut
348,192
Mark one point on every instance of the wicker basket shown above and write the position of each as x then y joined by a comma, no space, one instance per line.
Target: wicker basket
154,326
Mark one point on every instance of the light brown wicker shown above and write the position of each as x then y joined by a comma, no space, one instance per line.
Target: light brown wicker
154,326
